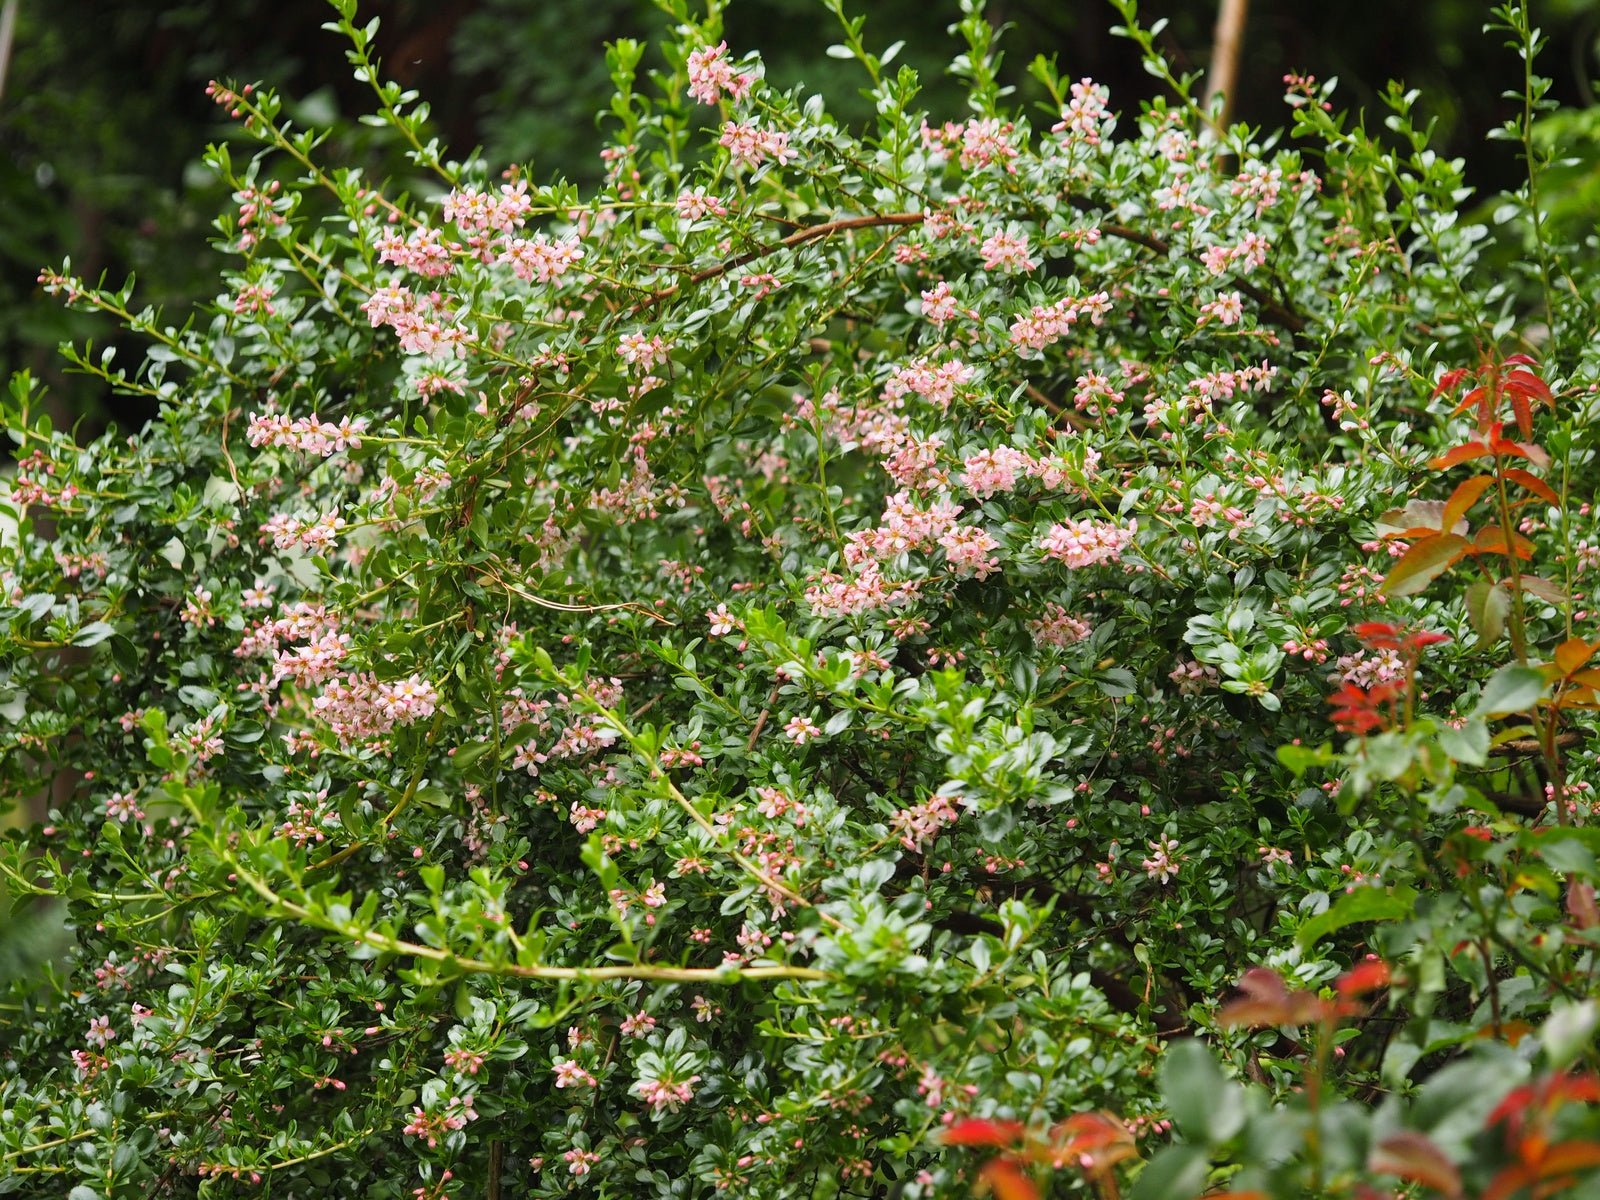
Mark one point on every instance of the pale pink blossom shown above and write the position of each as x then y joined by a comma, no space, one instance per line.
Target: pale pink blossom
1083,543
124,807
1006,253
710,75
750,145
800,730
1161,866
1227,309
540,259
570,1074
664,1096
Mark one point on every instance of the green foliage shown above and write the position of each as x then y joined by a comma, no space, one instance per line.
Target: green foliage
803,668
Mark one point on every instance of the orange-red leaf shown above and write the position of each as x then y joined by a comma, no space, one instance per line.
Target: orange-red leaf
1460,454
1413,1156
1363,978
1008,1181
1581,905
1492,540
1569,1156
1424,563
1508,1183
1573,654
1463,498
1092,1130
1534,484
975,1131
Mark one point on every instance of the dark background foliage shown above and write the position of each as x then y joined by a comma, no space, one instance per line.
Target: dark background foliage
104,113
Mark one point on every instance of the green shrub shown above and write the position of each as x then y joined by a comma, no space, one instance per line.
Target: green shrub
812,662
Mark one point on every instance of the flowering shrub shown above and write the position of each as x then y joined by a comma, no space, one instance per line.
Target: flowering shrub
806,672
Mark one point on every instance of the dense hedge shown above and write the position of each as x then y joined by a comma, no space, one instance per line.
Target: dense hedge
804,672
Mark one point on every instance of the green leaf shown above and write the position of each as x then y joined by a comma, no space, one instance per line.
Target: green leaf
1301,759
1363,904
93,634
1206,1104
1487,606
1468,745
1511,689
1568,1031
1174,1172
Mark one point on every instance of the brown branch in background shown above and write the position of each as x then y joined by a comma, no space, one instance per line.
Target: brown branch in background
8,30
809,233
1227,43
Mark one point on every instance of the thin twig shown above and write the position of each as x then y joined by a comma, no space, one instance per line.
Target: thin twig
800,237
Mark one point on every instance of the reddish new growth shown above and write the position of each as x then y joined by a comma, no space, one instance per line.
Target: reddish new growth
1358,710
1267,999
1094,1142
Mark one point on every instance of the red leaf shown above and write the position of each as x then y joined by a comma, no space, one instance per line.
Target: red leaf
1413,1156
1450,380
1090,1131
1008,1181
1268,1001
1508,1183
1379,635
1492,540
1418,518
1359,980
975,1131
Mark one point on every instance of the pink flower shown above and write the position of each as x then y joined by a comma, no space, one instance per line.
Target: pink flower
1085,543
1085,117
1006,253
985,142
1049,322
100,1032
1272,858
663,1096
967,549
1058,628
539,258
938,304
580,1161
710,74
642,353
1227,308
692,206
751,145
124,806
800,730
722,621
920,824
1161,866
638,1025
423,252
570,1074
991,471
